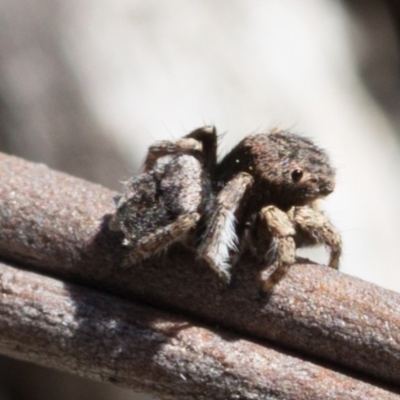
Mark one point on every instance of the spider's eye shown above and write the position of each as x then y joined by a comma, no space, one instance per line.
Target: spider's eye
297,174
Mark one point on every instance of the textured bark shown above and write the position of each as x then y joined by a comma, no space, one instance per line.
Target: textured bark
57,224
108,339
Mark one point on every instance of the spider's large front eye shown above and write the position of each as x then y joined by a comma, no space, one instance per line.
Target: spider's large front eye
297,174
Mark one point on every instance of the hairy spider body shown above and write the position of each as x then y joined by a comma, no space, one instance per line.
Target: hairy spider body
273,176
261,195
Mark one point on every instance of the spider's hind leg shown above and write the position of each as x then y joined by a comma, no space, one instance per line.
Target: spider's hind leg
207,136
170,148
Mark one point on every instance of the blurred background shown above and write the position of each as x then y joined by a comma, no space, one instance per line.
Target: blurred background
86,86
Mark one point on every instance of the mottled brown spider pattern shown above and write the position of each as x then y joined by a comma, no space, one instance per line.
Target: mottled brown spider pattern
261,196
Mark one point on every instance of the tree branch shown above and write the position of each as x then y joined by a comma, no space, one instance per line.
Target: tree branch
108,339
57,224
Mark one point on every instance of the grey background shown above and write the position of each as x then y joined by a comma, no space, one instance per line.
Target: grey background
86,86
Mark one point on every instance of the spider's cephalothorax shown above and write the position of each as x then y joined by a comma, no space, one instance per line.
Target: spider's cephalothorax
267,184
288,169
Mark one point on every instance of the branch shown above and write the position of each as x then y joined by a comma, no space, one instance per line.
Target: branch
111,340
58,224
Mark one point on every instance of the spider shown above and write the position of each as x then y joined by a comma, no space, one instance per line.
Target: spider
262,195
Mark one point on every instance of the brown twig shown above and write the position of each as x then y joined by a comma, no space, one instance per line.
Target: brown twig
111,340
58,224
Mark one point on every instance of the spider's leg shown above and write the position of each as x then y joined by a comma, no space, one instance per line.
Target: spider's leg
207,136
167,147
312,228
162,237
201,142
220,235
282,231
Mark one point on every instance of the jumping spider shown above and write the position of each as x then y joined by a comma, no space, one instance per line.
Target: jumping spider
262,196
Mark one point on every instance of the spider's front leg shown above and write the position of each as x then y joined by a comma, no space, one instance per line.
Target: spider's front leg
282,231
220,237
313,227
299,227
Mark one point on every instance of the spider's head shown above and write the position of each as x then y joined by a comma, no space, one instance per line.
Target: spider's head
289,170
